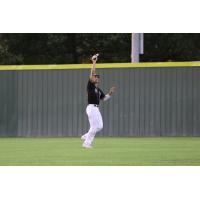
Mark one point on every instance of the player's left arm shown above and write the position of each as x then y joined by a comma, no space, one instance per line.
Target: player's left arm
109,94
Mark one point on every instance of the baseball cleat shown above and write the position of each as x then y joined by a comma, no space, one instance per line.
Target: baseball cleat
87,146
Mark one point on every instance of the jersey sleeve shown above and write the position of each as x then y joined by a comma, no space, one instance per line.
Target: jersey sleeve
102,94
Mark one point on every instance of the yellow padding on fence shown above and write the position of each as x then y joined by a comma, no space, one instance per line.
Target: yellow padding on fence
101,65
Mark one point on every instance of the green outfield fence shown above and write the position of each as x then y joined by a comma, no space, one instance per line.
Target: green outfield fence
152,99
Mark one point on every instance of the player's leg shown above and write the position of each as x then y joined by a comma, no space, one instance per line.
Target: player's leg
96,125
90,118
99,121
91,112
95,121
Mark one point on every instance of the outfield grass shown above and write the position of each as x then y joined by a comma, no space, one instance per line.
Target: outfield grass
153,151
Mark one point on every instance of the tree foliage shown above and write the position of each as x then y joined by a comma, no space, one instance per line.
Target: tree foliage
51,48
171,47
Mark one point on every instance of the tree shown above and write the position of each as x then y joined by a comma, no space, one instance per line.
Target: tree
63,48
171,47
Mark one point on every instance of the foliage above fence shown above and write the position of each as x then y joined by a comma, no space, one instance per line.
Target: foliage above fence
49,48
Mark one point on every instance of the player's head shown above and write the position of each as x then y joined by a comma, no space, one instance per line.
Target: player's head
95,78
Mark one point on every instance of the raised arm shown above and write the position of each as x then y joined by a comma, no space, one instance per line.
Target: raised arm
93,69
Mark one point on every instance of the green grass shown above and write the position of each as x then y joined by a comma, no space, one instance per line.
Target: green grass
152,151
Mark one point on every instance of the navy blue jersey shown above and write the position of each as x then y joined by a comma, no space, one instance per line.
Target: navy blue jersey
94,93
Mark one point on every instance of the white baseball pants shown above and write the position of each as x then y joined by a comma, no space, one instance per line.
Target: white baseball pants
96,123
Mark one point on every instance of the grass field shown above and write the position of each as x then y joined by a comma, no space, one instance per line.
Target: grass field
152,151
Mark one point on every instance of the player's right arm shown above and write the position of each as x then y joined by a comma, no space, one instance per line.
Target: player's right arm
93,69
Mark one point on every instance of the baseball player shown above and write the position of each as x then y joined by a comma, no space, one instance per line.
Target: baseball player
95,94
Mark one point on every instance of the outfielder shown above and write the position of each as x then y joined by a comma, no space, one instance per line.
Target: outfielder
95,94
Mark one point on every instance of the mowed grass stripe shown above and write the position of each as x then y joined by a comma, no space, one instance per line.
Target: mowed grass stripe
152,151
